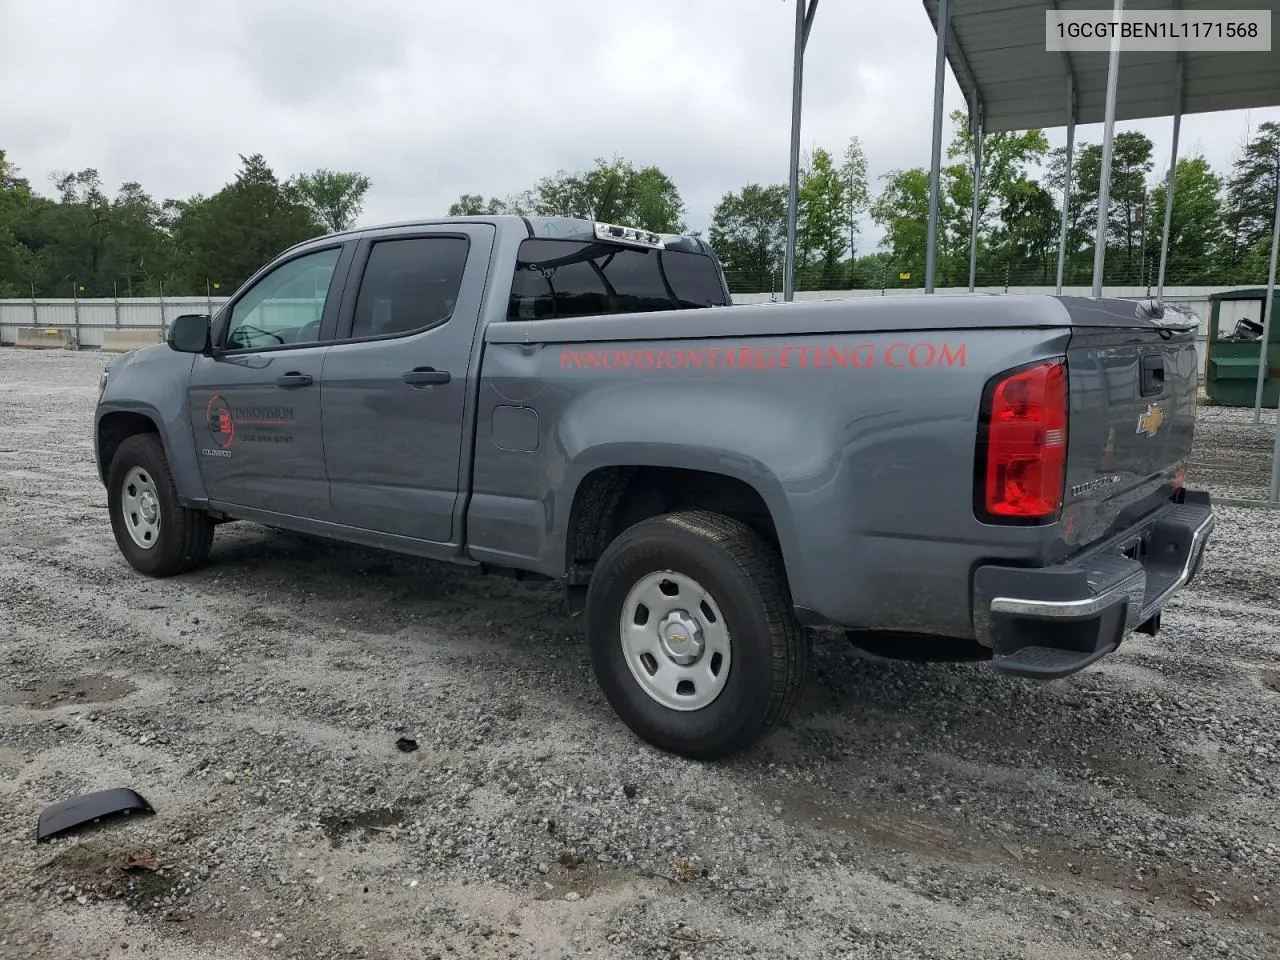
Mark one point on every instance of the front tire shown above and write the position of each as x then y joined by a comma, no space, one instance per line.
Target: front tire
692,635
156,534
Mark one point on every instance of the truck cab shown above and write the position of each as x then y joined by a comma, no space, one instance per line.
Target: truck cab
335,390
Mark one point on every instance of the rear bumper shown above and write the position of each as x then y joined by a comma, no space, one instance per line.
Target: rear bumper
1049,622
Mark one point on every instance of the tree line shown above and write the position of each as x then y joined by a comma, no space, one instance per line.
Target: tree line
85,242
1220,231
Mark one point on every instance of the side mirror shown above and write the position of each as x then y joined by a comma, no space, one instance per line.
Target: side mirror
190,333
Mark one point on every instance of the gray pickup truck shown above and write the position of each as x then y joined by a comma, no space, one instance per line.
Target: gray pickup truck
995,478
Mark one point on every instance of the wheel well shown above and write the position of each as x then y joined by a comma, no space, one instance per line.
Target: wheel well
611,499
113,430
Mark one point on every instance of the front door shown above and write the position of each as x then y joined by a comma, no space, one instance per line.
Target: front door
395,380
255,404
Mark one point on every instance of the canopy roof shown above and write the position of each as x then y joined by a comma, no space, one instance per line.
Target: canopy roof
996,49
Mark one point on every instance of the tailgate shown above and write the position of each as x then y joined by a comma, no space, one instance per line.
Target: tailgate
1132,387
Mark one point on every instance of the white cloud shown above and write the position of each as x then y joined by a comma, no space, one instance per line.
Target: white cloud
433,99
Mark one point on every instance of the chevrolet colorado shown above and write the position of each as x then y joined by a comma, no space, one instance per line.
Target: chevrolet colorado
941,477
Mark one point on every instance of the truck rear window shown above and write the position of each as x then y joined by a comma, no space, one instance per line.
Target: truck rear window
564,278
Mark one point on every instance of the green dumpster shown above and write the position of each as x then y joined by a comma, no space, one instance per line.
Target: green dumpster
1235,337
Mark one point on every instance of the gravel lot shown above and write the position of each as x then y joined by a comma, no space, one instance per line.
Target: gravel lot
1232,454
908,811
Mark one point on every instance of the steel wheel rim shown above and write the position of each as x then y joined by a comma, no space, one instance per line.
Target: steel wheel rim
675,641
140,507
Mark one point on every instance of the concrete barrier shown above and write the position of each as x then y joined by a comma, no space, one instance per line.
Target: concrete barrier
123,341
45,338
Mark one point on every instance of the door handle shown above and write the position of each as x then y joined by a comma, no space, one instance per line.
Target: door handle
1152,375
294,379
425,376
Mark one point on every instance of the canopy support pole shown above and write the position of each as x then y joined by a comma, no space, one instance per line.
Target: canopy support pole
1169,190
976,126
804,23
1168,207
1066,183
1108,136
1267,311
935,164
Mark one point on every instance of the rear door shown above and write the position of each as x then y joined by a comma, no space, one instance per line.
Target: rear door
255,404
394,386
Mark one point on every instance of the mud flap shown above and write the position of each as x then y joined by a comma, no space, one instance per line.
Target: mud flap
1150,627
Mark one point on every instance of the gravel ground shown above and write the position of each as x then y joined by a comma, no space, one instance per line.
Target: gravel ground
907,811
1232,455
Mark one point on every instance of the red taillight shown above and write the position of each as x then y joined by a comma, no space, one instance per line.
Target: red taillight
1026,444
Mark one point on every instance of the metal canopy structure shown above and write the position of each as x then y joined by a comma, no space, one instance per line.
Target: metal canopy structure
997,52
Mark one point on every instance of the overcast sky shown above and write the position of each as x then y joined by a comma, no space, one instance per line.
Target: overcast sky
431,99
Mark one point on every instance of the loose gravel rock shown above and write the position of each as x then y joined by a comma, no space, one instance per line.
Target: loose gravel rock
907,811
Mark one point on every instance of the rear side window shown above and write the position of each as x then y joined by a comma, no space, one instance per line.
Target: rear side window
409,285
562,278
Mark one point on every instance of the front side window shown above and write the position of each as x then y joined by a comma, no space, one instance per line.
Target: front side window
409,285
561,278
286,305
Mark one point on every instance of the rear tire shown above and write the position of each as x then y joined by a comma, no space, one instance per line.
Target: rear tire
156,534
692,635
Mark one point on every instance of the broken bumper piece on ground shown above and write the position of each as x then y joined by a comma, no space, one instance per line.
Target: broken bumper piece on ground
79,811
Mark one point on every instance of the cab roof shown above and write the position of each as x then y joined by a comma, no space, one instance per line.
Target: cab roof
542,228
